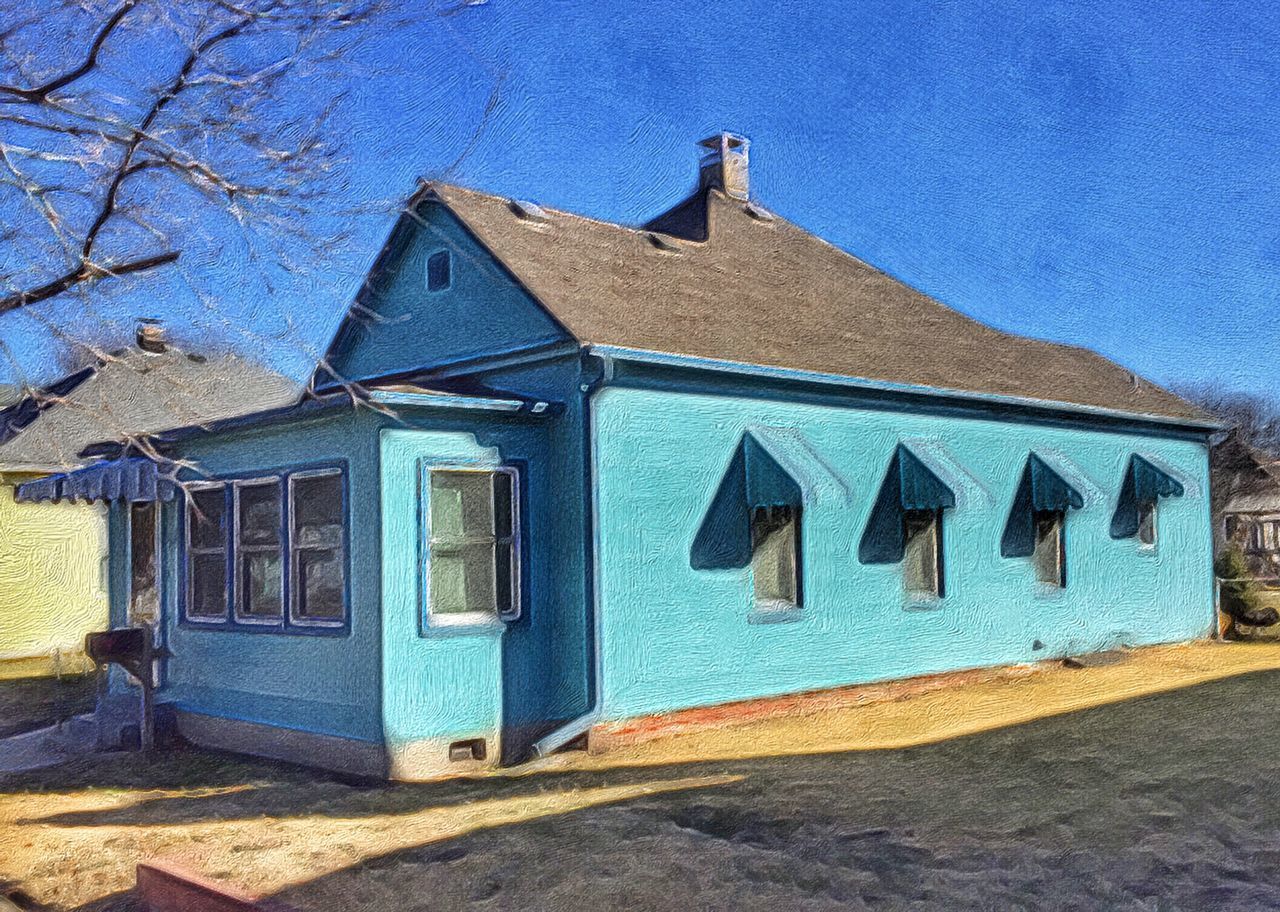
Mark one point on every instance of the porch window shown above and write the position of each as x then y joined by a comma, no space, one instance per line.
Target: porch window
775,556
207,553
144,596
317,548
922,556
473,563
259,555
1050,554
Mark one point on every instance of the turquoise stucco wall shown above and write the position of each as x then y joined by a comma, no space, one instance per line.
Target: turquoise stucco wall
327,684
673,637
520,677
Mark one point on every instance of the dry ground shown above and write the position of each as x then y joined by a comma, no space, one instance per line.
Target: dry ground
1145,785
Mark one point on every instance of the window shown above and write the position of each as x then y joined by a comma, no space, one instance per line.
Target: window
259,556
922,555
1050,556
245,550
207,553
144,597
317,548
775,549
473,565
438,271
1147,523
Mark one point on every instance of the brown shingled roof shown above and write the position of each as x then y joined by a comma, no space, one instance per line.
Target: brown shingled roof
762,290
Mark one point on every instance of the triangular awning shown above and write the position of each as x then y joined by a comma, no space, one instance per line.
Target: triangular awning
908,485
1144,483
753,480
133,479
1040,490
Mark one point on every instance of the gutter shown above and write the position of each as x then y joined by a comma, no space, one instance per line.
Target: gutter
796,375
550,743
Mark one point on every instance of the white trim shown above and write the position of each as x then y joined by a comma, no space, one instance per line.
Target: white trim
291,565
788,373
447,400
238,551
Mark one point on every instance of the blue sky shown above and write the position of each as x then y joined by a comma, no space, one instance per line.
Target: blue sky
1101,174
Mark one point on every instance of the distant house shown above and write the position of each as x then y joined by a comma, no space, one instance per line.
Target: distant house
602,472
54,582
1246,504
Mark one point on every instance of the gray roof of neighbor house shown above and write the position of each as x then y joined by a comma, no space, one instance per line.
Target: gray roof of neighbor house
132,394
761,290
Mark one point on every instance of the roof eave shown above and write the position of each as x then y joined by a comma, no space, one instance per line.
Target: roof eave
667,359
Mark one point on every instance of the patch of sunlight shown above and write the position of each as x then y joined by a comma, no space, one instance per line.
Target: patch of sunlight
944,714
270,854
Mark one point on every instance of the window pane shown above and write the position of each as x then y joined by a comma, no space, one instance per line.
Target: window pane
920,557
774,564
319,583
504,578
206,516
438,271
462,579
259,514
503,514
317,511
208,585
461,506
143,595
1048,555
1147,523
260,584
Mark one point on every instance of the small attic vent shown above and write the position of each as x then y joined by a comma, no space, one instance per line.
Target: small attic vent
662,242
762,215
530,212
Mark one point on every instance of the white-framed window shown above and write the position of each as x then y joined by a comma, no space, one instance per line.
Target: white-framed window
317,548
775,556
922,570
258,546
472,561
207,550
1050,555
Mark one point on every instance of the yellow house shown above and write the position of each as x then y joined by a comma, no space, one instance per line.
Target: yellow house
53,556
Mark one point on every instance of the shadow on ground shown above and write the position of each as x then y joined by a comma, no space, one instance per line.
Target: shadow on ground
1162,802
30,703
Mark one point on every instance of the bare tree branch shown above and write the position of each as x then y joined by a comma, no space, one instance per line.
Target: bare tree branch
37,94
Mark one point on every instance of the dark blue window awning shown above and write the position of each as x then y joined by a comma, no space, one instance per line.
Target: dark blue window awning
134,479
908,485
1040,490
753,480
1143,484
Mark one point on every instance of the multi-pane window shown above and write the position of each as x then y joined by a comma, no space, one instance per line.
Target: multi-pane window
472,560
277,535
207,553
317,548
1050,554
922,553
438,271
259,561
775,556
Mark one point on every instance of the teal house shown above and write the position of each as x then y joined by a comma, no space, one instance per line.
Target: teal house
555,473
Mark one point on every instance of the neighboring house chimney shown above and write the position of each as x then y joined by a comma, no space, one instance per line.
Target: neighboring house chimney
150,336
725,166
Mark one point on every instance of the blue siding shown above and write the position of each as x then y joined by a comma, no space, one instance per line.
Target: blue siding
322,684
674,637
483,312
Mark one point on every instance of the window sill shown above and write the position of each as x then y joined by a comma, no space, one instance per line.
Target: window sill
922,602
469,624
1049,592
776,613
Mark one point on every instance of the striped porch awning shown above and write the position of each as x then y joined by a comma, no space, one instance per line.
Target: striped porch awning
133,479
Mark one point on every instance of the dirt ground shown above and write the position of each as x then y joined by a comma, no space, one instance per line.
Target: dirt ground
1149,785
30,703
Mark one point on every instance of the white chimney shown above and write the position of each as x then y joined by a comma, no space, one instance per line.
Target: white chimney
150,336
725,165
